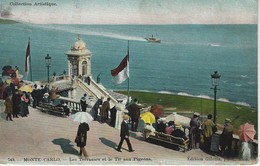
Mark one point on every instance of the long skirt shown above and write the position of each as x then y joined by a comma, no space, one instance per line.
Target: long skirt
24,109
245,151
119,119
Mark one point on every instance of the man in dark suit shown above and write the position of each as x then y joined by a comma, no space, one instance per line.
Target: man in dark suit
124,134
83,103
134,113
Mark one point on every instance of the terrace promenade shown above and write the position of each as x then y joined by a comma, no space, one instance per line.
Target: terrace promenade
41,138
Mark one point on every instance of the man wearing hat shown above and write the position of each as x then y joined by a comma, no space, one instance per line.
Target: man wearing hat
83,102
226,137
124,134
207,129
194,133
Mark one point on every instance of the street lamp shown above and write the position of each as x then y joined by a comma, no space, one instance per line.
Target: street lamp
215,80
48,65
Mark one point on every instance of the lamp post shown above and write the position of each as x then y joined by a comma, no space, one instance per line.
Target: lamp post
48,65
215,80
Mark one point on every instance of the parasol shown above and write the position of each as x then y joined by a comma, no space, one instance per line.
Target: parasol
26,88
8,81
157,110
82,117
247,132
148,117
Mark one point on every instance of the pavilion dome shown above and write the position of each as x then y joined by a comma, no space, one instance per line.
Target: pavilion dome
79,48
79,45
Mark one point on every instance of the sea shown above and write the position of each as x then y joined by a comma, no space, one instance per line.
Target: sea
181,64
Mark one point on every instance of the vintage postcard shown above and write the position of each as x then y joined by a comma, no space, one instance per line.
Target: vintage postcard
128,82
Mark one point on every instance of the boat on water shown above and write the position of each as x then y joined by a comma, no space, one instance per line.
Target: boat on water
153,39
214,44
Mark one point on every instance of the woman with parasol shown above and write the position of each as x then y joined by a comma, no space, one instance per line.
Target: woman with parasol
246,135
81,139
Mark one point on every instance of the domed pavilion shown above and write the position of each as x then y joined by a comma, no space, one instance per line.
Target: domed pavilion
79,59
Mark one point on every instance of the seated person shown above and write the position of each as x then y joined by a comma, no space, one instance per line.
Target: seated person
161,125
170,128
45,98
178,132
66,109
149,127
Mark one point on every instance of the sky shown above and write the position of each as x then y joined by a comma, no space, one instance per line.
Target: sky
134,11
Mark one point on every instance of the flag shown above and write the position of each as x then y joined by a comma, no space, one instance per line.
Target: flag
27,56
121,73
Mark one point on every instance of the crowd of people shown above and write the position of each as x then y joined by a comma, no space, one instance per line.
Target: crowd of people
17,102
200,133
102,112
119,119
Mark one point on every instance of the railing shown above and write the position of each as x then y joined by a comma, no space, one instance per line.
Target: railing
87,89
60,77
99,90
236,143
73,105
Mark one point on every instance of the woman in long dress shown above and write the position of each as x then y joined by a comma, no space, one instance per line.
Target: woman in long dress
81,138
119,114
8,107
104,110
24,105
16,99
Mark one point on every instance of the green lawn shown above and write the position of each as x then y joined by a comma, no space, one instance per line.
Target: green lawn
2,21
176,103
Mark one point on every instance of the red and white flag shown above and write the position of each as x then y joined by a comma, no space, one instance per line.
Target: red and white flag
27,56
121,73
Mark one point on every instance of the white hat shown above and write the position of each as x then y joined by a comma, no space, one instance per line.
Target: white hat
196,114
178,125
227,120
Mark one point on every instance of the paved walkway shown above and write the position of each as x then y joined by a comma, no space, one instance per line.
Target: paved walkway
41,138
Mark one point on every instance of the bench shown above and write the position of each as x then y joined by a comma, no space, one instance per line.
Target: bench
48,108
168,139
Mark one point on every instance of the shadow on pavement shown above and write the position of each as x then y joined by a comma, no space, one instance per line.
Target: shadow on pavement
65,146
134,135
108,142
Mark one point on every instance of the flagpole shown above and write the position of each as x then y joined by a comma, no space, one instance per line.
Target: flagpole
128,91
30,61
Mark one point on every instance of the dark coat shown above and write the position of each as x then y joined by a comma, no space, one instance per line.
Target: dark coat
226,136
34,93
179,133
104,109
16,103
161,127
83,102
97,104
8,105
124,130
82,134
134,111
